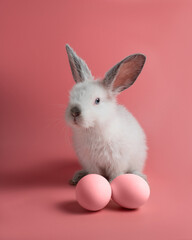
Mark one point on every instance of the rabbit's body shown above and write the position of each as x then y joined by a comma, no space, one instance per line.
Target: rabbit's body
112,149
107,138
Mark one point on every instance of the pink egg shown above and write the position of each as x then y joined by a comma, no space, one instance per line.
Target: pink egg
130,191
93,192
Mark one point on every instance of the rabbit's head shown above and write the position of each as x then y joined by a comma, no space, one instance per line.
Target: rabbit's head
93,102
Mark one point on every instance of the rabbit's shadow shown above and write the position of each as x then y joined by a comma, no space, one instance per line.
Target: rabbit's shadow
55,172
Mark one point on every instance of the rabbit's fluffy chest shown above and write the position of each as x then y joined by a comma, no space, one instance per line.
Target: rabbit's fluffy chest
97,152
90,144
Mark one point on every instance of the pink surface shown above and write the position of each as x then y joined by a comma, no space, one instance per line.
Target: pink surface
37,158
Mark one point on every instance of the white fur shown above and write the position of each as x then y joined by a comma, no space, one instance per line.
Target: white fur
107,138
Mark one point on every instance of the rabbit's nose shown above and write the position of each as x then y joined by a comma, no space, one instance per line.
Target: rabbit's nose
75,111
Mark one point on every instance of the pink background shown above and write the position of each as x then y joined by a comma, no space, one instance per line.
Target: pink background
37,158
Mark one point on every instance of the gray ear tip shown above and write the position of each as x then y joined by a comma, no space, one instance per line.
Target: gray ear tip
67,45
68,48
142,56
139,57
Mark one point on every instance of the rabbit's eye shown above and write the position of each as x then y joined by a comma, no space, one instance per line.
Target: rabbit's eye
97,100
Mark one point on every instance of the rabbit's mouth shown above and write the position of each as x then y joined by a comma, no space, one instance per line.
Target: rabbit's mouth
81,123
76,121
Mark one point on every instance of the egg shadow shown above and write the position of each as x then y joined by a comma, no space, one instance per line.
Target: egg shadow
72,207
115,207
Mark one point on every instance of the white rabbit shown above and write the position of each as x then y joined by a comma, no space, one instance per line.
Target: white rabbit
108,140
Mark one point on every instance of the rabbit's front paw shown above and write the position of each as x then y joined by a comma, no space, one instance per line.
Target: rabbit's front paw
77,176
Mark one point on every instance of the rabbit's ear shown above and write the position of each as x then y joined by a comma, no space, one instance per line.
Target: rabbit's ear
124,73
79,68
